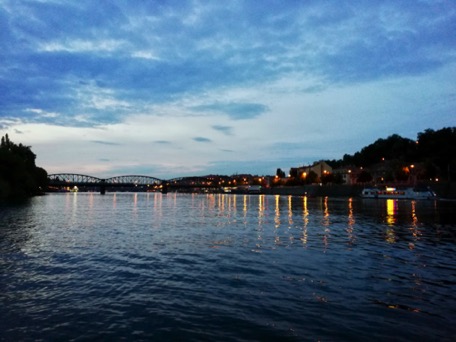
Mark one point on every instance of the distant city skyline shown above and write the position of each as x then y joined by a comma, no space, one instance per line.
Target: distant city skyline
187,88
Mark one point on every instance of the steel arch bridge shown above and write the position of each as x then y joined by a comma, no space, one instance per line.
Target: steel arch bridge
138,182
67,180
133,179
73,178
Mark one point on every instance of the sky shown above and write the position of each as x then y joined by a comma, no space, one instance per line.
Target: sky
182,88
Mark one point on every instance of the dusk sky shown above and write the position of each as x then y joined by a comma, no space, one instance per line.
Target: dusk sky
182,88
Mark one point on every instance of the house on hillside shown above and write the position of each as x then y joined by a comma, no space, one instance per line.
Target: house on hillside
347,175
320,168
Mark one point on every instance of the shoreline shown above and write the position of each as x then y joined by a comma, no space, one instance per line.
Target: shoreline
444,190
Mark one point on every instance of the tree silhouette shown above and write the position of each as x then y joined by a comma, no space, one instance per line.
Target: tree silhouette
364,177
19,176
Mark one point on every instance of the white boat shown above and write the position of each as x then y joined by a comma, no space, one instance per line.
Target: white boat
395,193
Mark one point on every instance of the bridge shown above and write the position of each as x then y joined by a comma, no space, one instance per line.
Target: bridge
68,181
71,180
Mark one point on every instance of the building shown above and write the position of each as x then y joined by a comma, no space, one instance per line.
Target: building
320,168
346,175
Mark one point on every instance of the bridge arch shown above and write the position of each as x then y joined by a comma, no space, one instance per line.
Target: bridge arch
73,178
133,179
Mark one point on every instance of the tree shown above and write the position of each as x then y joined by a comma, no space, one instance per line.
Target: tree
280,173
293,172
327,178
439,148
312,177
364,177
402,174
338,178
19,176
434,150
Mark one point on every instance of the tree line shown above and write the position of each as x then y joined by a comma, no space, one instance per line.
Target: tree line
432,156
19,176
433,151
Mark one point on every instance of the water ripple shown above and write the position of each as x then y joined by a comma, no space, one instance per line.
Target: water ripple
227,268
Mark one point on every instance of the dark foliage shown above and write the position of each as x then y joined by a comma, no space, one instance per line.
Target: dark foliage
311,178
394,147
364,177
19,176
435,151
280,173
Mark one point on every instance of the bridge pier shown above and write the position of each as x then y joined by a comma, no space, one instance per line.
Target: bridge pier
102,187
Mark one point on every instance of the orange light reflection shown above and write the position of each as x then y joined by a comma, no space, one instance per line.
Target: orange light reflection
391,210
351,222
305,219
277,211
326,223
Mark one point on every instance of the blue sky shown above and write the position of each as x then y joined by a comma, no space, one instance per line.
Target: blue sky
180,88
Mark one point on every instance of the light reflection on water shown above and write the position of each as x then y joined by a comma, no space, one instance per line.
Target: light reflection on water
226,267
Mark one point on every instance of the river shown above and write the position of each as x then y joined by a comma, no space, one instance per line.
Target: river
221,267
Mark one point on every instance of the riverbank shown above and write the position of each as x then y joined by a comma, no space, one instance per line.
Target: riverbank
443,190
316,190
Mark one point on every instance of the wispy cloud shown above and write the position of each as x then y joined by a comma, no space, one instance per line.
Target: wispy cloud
227,130
101,142
236,111
202,139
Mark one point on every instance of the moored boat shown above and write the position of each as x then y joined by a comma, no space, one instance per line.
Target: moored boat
398,193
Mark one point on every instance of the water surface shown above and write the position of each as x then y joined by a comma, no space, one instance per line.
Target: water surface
147,266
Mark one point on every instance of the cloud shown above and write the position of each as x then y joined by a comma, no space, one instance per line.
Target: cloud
227,130
125,56
270,79
202,139
236,111
101,142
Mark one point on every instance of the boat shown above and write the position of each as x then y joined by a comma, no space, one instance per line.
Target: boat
398,193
